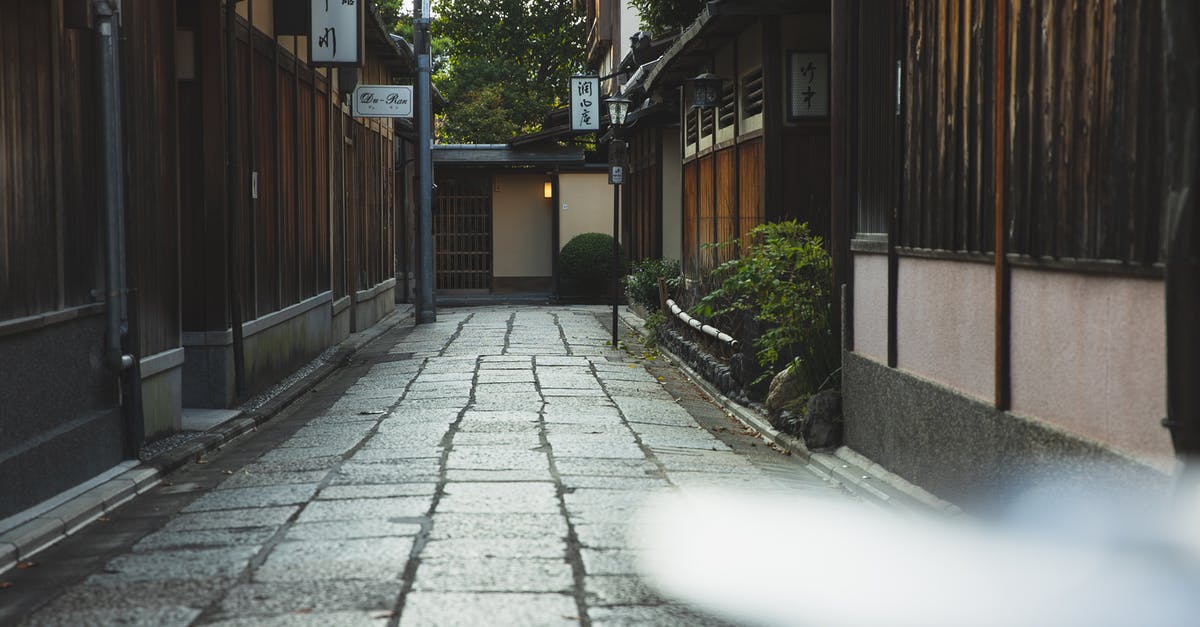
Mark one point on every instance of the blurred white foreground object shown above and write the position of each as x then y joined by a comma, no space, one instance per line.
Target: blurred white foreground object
816,561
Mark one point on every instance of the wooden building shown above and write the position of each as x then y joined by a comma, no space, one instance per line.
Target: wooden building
235,277
763,154
1000,227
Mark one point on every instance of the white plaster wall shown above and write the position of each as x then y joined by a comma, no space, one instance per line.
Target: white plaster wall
672,199
1089,356
521,226
585,205
945,323
870,306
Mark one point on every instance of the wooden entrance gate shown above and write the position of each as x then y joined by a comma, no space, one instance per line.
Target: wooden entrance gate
462,231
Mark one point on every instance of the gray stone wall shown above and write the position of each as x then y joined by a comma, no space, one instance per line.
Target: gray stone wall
59,419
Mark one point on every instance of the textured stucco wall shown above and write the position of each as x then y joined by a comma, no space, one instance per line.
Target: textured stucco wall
588,199
945,323
870,306
1089,357
521,226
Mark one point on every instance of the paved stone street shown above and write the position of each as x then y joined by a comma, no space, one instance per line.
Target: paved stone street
477,471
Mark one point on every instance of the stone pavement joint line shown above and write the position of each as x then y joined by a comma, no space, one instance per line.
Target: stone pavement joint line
482,469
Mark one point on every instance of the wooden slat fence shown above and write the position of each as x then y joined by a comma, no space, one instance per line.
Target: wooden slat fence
1082,144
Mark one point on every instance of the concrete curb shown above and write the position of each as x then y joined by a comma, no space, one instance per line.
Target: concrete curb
850,470
40,532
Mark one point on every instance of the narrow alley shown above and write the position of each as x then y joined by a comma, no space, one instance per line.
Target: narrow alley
481,470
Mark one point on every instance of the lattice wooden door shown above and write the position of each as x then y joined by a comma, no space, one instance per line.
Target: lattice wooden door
462,230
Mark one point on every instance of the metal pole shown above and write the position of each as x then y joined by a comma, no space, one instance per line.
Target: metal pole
616,267
426,311
114,184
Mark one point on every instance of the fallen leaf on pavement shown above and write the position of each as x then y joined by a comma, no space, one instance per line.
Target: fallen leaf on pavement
24,565
4,585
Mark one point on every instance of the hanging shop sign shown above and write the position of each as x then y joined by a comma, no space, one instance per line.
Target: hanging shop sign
336,36
383,101
585,103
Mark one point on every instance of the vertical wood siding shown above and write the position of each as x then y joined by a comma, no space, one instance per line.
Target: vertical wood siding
751,212
876,123
706,213
726,215
642,197
1082,143
689,218
29,223
152,210
79,183
949,71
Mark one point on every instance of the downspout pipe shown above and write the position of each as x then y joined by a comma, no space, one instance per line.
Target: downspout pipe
116,307
426,309
233,201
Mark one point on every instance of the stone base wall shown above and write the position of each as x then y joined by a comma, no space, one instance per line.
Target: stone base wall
60,424
964,450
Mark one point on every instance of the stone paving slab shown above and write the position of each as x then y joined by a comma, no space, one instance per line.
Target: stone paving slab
373,559
455,609
493,574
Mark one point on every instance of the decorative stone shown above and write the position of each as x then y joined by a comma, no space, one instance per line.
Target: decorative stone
785,389
823,428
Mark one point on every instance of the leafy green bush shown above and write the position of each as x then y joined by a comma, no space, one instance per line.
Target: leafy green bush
655,323
586,264
784,281
641,286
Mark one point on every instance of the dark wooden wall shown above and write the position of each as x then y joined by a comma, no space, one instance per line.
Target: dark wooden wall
50,227
642,197
1079,148
1085,135
152,211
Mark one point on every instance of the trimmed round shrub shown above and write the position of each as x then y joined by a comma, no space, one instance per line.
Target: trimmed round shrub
585,264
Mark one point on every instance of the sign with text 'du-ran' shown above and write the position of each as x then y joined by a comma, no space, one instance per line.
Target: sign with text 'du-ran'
585,103
383,101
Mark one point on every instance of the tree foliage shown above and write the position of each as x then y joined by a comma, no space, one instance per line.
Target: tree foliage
508,63
661,17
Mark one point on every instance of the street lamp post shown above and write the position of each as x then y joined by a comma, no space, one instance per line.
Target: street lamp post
618,107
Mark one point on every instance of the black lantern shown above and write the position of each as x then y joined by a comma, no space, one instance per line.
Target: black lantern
618,108
706,91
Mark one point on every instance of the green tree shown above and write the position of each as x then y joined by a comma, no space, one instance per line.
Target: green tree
513,55
662,17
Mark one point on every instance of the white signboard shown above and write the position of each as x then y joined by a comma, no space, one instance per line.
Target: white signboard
585,103
383,101
809,85
334,39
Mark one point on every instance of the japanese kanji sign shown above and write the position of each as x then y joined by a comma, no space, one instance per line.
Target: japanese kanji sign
585,103
808,84
336,32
